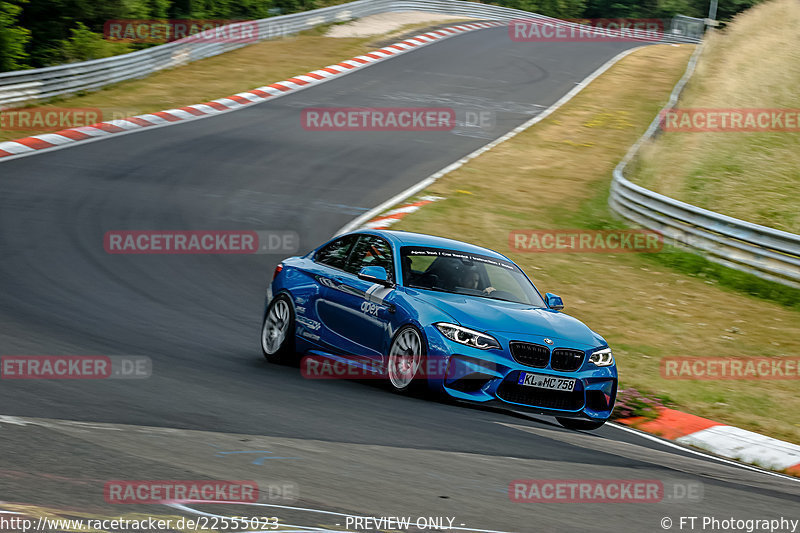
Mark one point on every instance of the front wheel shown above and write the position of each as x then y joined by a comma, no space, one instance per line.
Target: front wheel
580,424
277,332
406,355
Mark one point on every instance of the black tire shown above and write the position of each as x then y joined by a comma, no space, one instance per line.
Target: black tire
285,351
580,423
398,381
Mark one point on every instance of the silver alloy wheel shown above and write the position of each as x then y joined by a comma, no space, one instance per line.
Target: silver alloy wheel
275,327
405,357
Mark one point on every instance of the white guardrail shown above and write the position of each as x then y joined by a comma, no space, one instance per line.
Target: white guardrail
766,252
27,86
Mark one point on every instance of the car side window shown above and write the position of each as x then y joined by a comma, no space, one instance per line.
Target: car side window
335,254
371,251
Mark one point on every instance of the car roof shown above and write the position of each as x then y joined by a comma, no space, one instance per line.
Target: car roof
404,238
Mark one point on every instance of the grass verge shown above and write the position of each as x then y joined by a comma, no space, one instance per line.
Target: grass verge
753,63
557,175
224,75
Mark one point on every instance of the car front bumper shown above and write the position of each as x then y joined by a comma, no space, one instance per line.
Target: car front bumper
491,378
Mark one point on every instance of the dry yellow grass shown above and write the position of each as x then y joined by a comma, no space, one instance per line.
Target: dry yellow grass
549,177
223,75
754,63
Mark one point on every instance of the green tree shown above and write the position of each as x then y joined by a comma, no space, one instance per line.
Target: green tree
84,45
670,8
12,37
51,22
726,8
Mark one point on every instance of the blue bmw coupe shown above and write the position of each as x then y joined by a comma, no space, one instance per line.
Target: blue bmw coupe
422,310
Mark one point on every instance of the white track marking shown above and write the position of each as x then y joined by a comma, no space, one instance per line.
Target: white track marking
205,109
250,96
180,504
746,446
15,148
227,102
122,123
277,92
292,86
338,68
90,131
154,119
52,138
670,444
188,509
180,113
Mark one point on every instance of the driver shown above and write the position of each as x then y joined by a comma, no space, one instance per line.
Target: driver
471,279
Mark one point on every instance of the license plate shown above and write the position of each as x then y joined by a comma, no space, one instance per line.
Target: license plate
546,382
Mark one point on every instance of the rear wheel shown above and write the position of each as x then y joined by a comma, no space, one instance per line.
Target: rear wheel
406,356
580,424
277,332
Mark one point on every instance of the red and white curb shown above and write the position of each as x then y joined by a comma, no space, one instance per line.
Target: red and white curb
747,447
60,139
396,215
722,440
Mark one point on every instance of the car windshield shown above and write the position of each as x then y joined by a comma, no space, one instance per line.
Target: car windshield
459,272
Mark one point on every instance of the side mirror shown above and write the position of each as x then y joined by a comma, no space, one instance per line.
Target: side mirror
553,301
375,274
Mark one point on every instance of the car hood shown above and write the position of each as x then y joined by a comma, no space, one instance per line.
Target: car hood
487,315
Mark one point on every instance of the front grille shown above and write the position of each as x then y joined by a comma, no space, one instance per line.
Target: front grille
534,355
537,397
566,360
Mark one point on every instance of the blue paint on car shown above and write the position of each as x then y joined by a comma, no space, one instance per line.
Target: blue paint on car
497,340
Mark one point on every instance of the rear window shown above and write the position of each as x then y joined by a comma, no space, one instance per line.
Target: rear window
335,253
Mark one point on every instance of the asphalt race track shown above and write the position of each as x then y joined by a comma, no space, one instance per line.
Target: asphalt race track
346,446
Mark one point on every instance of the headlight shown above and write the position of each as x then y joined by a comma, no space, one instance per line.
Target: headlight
602,357
467,336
